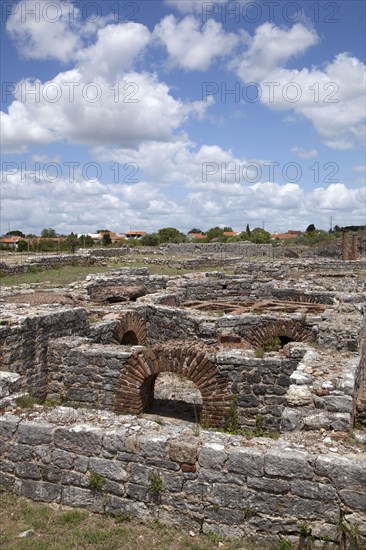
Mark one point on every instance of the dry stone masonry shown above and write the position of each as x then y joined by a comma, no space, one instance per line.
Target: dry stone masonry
274,355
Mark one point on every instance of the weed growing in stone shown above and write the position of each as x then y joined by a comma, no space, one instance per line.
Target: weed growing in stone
349,534
305,532
233,421
197,428
26,401
156,484
96,481
52,403
250,513
259,353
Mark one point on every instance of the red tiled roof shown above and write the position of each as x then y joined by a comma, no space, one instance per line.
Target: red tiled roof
230,233
197,235
11,240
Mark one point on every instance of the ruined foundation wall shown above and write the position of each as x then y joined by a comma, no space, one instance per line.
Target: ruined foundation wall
24,346
211,482
46,263
249,250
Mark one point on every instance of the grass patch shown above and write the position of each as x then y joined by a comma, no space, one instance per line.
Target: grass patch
26,401
69,274
57,528
61,276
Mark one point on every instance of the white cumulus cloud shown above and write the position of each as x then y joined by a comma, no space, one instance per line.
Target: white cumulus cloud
191,45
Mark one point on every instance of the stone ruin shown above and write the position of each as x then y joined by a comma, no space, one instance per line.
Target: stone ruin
244,394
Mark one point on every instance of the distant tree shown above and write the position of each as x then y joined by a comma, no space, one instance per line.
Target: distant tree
103,231
106,239
16,233
228,229
86,240
215,233
310,228
260,236
48,233
31,236
234,239
22,246
195,230
72,242
133,242
151,239
170,235
248,232
47,245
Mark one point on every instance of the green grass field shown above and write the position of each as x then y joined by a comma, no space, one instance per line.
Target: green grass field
60,528
70,274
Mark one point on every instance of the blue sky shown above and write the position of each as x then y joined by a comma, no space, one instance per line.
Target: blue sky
182,113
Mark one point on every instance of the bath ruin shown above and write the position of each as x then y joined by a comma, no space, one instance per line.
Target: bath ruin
244,393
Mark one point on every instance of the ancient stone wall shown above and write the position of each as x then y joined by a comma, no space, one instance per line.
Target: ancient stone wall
125,285
24,344
249,250
204,482
275,388
45,263
106,252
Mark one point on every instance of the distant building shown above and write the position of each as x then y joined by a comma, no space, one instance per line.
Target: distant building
134,234
11,242
192,236
95,236
291,234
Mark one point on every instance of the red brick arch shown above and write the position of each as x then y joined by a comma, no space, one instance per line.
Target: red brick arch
294,330
131,327
136,389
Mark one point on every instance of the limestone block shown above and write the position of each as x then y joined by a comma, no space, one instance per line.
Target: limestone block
79,439
212,456
291,464
153,445
116,505
342,471
8,425
27,470
38,490
83,498
184,450
354,500
110,469
114,441
298,396
62,459
33,433
308,489
246,461
291,420
18,452
277,486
